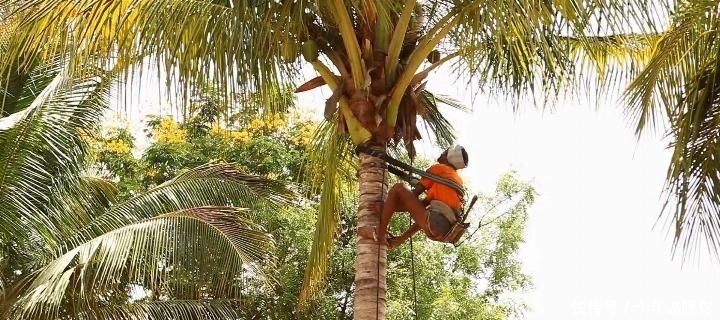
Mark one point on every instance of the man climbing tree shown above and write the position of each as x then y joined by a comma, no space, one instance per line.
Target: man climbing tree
436,213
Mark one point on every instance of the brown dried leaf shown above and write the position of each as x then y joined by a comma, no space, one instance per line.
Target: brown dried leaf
311,84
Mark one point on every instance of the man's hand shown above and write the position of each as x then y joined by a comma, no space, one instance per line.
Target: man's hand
418,190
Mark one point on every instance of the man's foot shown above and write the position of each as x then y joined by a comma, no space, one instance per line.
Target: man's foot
369,233
393,242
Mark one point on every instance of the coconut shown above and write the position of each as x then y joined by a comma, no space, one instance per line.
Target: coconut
434,56
310,51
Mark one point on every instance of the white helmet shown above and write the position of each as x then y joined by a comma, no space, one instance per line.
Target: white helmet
455,157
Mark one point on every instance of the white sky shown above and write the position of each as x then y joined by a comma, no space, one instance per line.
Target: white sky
590,244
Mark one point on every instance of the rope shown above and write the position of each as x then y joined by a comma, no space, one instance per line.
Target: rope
412,268
382,207
412,265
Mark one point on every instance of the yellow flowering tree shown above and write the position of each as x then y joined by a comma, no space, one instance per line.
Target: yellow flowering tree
169,131
269,145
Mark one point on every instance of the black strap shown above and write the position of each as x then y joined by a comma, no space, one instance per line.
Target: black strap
405,176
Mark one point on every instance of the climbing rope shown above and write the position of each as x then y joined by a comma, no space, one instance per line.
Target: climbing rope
382,207
412,269
412,262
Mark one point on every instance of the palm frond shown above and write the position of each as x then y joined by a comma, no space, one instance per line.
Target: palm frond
681,82
436,124
328,171
85,198
42,150
214,184
191,240
677,55
161,310
195,42
604,65
520,49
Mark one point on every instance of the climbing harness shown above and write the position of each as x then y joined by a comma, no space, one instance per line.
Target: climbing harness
459,228
405,172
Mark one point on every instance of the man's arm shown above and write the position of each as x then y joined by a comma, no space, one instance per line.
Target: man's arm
418,190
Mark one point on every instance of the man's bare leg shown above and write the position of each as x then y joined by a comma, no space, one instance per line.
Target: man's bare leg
401,199
397,241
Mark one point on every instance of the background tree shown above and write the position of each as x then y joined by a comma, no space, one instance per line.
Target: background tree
72,249
475,281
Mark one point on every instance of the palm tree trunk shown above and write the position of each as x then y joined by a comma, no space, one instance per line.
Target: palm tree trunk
370,265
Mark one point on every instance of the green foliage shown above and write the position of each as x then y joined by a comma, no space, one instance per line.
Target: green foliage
75,245
678,90
474,281
516,48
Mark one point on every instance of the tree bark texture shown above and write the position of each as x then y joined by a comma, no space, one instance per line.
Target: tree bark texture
370,258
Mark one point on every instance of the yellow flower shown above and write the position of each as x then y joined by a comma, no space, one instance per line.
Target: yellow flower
169,131
216,130
303,134
240,136
151,172
117,146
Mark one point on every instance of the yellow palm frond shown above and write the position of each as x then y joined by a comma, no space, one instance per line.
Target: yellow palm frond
329,170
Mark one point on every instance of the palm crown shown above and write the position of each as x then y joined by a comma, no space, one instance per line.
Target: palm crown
376,47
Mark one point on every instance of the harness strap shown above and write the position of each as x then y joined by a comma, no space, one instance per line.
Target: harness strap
406,176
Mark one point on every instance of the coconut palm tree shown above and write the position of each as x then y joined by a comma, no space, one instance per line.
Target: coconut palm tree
680,86
69,249
375,56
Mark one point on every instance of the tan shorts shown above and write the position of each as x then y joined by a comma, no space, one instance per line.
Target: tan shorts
437,218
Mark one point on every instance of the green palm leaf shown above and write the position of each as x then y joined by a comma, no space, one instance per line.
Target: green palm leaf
151,310
193,238
506,46
436,124
562,48
87,246
681,83
239,48
42,150
219,184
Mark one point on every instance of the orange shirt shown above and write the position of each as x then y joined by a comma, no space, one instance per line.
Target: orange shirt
439,191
